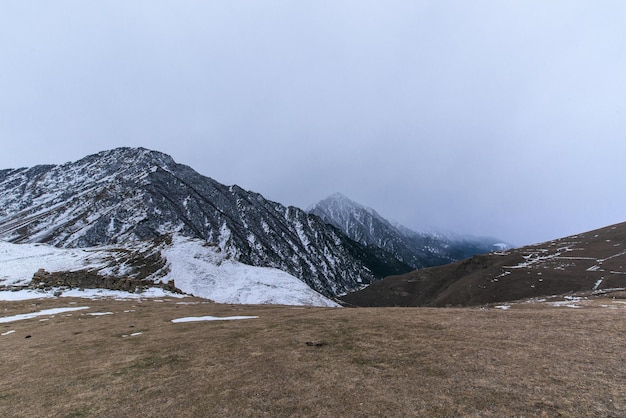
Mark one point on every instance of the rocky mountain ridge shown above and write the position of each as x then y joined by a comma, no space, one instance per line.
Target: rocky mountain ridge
134,194
417,249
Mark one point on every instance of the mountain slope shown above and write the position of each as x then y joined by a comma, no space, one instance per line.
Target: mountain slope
195,267
130,194
419,250
593,261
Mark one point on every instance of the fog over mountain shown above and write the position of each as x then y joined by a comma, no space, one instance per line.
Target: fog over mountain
494,118
417,249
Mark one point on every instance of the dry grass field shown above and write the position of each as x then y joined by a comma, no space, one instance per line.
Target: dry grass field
527,361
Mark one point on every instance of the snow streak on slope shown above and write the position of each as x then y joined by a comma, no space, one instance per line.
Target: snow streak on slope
196,268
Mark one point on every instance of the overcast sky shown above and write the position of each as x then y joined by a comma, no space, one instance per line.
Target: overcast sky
499,118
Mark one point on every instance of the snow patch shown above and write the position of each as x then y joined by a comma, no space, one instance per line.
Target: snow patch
199,270
28,294
564,304
506,273
211,318
21,261
44,312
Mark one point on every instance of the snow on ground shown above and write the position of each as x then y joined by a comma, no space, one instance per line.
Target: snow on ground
211,318
18,262
565,303
196,268
134,334
199,270
26,294
45,312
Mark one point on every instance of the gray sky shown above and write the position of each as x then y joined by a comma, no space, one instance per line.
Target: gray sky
501,118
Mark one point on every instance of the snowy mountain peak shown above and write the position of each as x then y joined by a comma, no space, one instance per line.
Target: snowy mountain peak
134,194
341,199
365,225
122,159
338,206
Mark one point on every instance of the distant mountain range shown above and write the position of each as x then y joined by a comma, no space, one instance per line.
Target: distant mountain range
588,263
418,250
133,198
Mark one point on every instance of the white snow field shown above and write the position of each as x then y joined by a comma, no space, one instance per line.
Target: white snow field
197,269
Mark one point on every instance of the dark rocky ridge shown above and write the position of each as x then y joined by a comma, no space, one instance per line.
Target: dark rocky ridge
127,194
593,261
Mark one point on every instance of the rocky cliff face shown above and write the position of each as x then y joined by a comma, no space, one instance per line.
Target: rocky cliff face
130,194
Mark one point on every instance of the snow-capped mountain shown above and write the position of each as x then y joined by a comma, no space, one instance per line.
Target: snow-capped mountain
365,225
126,194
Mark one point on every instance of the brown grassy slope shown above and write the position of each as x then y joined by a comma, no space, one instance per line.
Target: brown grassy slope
569,264
312,362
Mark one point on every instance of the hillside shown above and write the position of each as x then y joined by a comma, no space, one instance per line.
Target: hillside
589,262
175,263
130,195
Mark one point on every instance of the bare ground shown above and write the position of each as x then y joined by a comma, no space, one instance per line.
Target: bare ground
531,360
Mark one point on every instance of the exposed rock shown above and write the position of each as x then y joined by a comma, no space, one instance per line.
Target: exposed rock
92,280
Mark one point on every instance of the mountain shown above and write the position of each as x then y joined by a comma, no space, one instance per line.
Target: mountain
196,267
419,250
591,262
134,194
